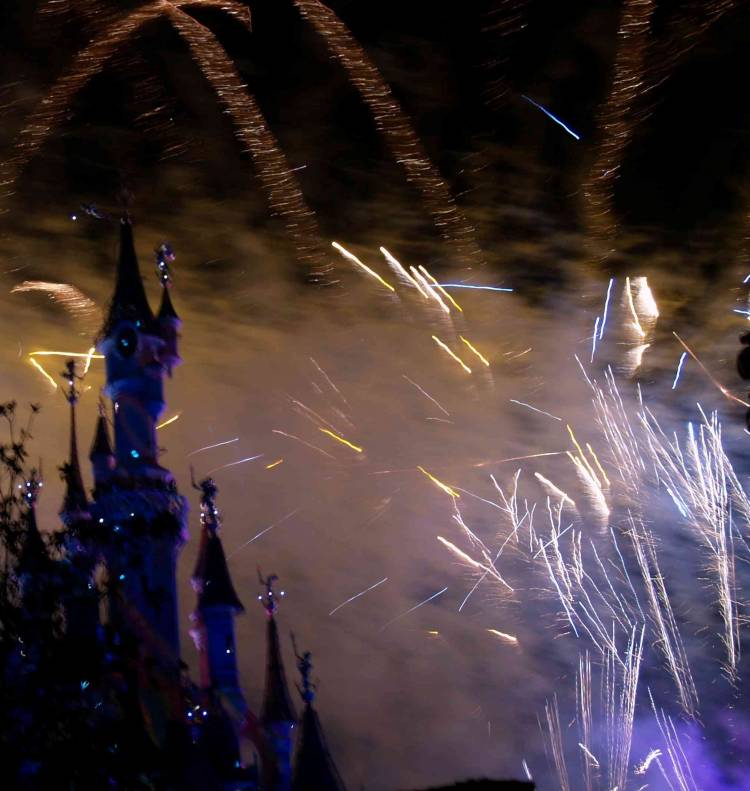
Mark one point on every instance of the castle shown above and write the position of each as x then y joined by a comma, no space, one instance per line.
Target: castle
124,543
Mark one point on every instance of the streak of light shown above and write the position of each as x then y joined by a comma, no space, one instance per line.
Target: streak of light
304,442
444,486
478,288
509,638
559,493
631,305
552,116
427,288
274,464
168,422
426,395
683,356
526,769
89,358
342,440
235,463
357,595
606,308
584,460
433,632
476,351
520,458
402,273
520,354
534,409
329,380
353,258
437,285
216,445
589,754
446,348
723,390
415,607
43,372
72,299
645,302
264,531
594,338
598,463
642,767
396,128
85,355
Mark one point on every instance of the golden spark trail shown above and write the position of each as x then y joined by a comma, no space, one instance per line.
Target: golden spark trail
170,421
353,258
86,355
508,638
304,442
426,287
451,353
476,351
395,127
402,273
341,440
274,464
444,486
43,372
437,285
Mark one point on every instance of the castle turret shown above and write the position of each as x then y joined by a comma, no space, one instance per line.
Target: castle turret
217,607
167,319
75,505
101,454
277,715
141,510
314,769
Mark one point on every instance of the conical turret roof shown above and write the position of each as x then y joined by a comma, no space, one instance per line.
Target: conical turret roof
211,574
166,309
74,500
277,705
129,301
101,446
314,769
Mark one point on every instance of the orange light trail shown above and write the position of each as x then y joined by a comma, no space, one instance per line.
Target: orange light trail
353,258
342,440
446,348
476,351
443,486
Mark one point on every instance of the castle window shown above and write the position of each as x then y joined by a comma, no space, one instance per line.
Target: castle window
127,342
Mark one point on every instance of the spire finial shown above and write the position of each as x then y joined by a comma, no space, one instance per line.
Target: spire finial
269,600
70,376
164,257
31,486
304,665
209,512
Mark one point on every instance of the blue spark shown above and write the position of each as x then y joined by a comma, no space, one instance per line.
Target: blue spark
606,308
594,337
478,288
553,117
679,370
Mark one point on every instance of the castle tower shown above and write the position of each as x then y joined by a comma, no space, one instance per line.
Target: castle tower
314,769
277,715
217,607
140,507
82,596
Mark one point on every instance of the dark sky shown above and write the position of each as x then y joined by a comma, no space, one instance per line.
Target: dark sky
434,696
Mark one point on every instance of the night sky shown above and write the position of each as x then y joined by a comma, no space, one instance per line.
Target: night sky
432,696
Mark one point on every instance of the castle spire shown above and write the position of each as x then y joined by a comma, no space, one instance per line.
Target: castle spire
33,558
129,302
217,606
314,769
277,715
75,503
101,454
167,319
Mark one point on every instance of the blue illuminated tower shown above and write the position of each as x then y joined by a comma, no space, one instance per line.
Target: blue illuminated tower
217,607
136,499
277,715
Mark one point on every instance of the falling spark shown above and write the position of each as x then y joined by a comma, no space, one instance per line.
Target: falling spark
629,299
534,409
415,607
353,258
679,370
428,289
642,767
476,351
594,339
589,754
357,595
444,486
452,354
216,445
402,273
478,288
437,285
341,440
264,531
43,372
606,308
304,442
509,638
553,117
235,463
89,358
168,422
556,491
426,395
274,464
723,390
